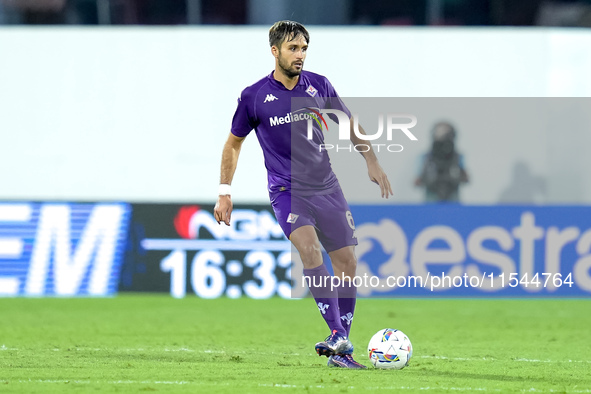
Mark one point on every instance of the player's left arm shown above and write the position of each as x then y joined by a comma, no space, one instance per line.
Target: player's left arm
374,169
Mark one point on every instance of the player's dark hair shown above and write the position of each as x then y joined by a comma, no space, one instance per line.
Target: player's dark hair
286,31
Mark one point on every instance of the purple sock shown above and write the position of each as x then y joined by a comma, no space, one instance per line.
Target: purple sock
326,298
347,293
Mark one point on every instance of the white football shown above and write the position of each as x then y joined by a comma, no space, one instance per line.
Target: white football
389,349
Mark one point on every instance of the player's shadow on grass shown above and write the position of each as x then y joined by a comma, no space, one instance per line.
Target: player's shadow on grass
429,373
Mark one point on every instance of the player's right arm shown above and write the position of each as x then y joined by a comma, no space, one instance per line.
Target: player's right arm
223,207
242,124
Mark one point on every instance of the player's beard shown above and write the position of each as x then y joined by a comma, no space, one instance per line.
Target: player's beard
288,69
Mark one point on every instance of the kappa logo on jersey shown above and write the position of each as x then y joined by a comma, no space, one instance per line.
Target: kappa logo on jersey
323,307
292,218
311,91
270,97
348,318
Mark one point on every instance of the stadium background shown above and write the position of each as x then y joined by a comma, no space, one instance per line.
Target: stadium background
112,137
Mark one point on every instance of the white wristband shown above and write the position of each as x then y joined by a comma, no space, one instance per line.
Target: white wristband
225,189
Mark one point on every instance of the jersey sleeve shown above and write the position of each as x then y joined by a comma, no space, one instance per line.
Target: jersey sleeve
333,101
243,121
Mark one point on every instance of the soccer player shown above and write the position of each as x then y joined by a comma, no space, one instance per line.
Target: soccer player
304,191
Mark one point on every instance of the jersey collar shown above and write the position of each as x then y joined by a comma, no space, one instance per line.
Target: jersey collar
282,86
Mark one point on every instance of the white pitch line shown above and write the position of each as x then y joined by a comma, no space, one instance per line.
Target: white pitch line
257,353
183,349
535,390
96,382
431,388
47,381
147,382
551,361
426,388
496,359
286,386
460,358
294,386
230,352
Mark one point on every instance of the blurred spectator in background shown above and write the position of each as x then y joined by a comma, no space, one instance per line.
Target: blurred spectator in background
563,13
34,11
525,187
575,13
442,169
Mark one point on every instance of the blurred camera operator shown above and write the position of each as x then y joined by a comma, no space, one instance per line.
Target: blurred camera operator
442,170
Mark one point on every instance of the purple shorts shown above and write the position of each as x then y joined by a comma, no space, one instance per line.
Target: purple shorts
329,214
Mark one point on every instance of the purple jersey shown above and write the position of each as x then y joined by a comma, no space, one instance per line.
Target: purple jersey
293,161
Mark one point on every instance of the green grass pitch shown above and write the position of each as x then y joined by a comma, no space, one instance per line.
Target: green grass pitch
153,343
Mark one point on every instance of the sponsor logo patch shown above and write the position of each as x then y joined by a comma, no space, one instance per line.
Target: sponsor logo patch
311,91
